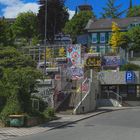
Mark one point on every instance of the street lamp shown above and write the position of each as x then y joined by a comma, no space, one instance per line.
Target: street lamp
39,49
45,35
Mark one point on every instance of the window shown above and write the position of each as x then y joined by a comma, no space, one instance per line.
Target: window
94,38
102,37
102,49
133,25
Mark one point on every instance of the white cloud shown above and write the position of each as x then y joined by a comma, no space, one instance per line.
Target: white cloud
14,7
71,13
10,2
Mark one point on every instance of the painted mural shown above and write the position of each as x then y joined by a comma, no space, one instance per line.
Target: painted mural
74,55
111,61
74,70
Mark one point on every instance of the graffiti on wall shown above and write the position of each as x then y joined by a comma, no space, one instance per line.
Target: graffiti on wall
111,61
92,60
75,72
74,54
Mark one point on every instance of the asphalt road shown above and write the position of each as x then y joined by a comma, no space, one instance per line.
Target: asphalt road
118,125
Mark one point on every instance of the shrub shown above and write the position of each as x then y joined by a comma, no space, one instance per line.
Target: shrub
49,114
12,107
129,67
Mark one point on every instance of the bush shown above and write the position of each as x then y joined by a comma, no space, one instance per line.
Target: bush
49,114
12,107
130,67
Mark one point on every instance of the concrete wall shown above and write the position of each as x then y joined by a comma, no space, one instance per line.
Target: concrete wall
45,90
88,103
116,78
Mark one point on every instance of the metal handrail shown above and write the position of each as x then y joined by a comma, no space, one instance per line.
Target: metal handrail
118,97
87,93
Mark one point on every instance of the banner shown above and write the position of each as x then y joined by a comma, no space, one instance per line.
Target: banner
111,61
74,55
75,73
92,60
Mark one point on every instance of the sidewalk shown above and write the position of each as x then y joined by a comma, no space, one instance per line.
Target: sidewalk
9,133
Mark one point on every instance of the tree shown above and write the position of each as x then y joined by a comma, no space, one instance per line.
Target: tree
134,36
17,81
57,15
11,58
134,11
62,52
124,40
115,38
111,10
6,33
77,24
17,86
26,26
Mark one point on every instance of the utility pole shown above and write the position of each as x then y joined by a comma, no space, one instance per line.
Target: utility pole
45,36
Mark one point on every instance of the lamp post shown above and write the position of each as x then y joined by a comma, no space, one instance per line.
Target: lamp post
39,49
45,35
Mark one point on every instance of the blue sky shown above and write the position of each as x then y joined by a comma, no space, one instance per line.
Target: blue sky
10,8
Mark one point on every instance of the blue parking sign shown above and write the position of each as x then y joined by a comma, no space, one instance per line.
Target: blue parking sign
130,77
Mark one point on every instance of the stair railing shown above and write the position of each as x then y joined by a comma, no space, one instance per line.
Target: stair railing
114,95
87,93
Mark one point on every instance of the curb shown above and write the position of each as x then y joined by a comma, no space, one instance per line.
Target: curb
65,124
87,117
81,119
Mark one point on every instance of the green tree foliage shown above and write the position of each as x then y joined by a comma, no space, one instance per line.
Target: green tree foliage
124,40
134,11
134,36
26,26
57,15
130,40
17,86
77,24
17,81
12,105
6,33
130,67
11,58
112,10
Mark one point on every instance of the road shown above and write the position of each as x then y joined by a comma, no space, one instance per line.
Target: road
117,125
